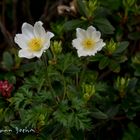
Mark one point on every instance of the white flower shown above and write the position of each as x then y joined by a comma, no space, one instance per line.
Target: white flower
33,41
88,41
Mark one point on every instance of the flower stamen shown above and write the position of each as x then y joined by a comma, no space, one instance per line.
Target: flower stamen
88,43
35,44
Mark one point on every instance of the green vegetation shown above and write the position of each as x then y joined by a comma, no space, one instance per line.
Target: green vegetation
61,96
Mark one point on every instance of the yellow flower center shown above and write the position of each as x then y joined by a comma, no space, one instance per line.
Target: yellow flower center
35,44
88,43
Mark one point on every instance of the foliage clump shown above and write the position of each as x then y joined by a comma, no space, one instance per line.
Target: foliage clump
67,93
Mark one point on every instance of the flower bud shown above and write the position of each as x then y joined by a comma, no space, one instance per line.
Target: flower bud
56,47
5,88
111,47
121,85
91,6
86,96
136,59
88,90
128,3
52,61
41,117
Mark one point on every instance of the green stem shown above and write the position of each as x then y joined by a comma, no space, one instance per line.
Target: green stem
125,15
77,79
83,71
51,88
44,59
65,88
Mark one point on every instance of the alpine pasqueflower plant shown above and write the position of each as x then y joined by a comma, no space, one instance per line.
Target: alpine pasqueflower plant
33,41
83,84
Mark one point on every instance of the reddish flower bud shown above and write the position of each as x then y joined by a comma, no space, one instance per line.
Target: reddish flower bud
5,88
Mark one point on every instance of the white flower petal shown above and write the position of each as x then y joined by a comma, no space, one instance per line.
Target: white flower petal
27,30
76,43
92,52
90,31
47,38
38,54
81,53
80,33
85,53
100,44
25,54
96,35
46,46
39,31
50,35
21,40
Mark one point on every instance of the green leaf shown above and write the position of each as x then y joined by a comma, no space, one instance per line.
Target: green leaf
121,47
132,84
36,116
114,66
77,135
81,8
97,57
22,98
121,58
73,24
8,114
72,116
28,67
2,102
67,61
132,133
103,62
30,137
137,73
15,123
131,114
10,77
134,36
112,111
104,25
101,87
73,69
115,5
96,113
7,60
